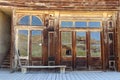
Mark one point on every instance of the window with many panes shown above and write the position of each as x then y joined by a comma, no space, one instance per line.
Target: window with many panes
30,20
80,24
28,38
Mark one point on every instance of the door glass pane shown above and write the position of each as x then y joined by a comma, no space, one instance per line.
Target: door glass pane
36,43
95,46
81,44
23,42
66,38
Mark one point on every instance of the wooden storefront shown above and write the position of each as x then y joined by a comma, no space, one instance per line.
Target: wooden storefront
80,40
81,34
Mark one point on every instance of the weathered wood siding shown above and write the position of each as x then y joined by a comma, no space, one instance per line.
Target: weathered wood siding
63,4
118,27
56,7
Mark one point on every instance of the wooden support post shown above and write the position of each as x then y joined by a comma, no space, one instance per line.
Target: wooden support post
12,63
24,70
118,35
62,70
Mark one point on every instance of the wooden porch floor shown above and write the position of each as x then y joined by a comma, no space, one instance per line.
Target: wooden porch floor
69,75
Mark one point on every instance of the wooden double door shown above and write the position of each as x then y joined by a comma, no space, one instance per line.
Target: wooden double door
81,50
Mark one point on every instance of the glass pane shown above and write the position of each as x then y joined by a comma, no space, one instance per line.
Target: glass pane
95,47
81,44
80,24
36,21
66,43
23,42
25,20
66,24
94,24
36,43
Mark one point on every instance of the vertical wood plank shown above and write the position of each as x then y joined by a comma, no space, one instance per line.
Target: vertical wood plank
45,46
102,48
51,44
29,52
118,27
88,49
57,36
60,46
12,39
116,40
103,45
73,48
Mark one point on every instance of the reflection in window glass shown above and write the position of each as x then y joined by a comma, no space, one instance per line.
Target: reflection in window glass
25,20
94,24
80,24
36,43
36,21
67,24
95,46
81,44
66,38
22,42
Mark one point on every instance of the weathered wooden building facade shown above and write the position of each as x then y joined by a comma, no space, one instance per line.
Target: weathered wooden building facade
81,34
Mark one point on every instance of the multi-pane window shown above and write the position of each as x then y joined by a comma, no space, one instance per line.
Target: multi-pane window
29,41
30,20
80,24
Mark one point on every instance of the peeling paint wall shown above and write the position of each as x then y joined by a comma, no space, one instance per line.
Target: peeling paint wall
4,35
